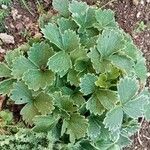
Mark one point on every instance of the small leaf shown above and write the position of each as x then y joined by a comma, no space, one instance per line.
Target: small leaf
76,126
127,88
39,54
94,105
6,86
141,70
114,118
70,40
60,62
122,62
20,66
147,112
52,33
110,42
4,70
44,123
61,7
87,84
37,79
94,129
28,112
21,94
105,19
135,108
44,103
12,55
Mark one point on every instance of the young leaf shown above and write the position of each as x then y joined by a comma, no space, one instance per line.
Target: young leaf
37,79
39,54
60,62
61,7
127,88
6,86
110,42
105,19
94,105
135,108
21,94
44,103
87,84
4,70
20,66
28,112
44,123
52,33
114,118
94,129
76,126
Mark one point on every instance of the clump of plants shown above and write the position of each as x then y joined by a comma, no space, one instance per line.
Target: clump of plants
83,83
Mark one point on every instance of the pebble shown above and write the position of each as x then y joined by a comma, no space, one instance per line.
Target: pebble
138,14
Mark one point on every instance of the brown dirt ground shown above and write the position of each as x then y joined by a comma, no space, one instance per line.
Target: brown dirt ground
22,24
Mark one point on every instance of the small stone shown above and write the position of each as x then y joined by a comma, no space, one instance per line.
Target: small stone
136,2
8,39
138,14
148,1
142,2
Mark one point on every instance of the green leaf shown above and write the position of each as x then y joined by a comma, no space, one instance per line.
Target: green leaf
6,86
39,54
60,62
107,98
12,55
131,50
99,65
78,99
87,84
44,123
147,112
73,77
114,118
64,102
37,79
4,70
61,7
94,105
76,126
66,24
28,112
21,94
122,62
141,70
52,33
105,19
70,40
135,108
94,129
44,103
82,14
110,42
127,88
20,66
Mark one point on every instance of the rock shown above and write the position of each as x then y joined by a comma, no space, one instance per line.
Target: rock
136,2
8,39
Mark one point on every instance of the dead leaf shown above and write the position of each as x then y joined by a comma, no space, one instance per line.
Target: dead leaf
8,39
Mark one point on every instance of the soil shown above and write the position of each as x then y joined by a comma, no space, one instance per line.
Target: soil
129,13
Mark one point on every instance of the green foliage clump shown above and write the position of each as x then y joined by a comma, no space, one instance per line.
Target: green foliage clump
83,83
